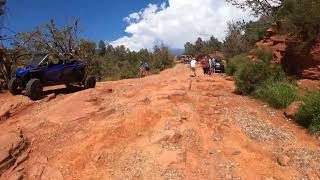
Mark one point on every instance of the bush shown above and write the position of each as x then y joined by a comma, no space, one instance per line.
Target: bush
264,54
277,94
253,74
235,62
315,125
309,113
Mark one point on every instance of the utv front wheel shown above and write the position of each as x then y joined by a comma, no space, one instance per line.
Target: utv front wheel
13,86
90,82
34,89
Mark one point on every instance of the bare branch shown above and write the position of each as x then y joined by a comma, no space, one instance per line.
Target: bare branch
258,7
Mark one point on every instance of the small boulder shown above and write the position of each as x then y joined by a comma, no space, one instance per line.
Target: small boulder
283,160
292,109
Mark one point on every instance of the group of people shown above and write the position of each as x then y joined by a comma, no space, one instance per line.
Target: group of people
207,64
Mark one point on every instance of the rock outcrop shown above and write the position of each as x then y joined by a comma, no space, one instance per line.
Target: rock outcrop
305,65
13,152
312,68
275,43
8,109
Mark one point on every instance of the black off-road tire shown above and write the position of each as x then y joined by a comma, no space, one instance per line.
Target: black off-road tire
90,82
34,89
13,86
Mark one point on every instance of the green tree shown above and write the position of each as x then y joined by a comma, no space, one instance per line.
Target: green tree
199,45
102,48
235,42
255,30
213,44
189,49
301,18
86,48
87,52
201,48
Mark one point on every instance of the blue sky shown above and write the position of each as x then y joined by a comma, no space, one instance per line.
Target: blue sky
99,19
147,22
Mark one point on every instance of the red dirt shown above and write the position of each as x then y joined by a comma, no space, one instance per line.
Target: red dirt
158,128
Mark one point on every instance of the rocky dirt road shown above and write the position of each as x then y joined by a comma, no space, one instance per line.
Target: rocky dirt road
153,128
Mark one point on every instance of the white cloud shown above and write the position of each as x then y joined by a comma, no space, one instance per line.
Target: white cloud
134,17
178,22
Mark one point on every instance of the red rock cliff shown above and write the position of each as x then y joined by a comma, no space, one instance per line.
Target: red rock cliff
305,65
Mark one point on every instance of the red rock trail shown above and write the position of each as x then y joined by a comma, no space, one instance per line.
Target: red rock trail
157,128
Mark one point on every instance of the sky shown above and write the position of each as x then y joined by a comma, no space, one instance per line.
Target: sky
135,24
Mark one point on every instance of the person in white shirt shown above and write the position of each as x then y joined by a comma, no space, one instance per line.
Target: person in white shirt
210,66
193,66
213,65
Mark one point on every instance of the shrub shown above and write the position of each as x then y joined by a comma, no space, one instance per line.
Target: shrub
264,54
309,113
277,94
235,62
253,74
315,125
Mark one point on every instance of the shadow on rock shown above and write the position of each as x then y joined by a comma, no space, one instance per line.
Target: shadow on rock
52,93
67,90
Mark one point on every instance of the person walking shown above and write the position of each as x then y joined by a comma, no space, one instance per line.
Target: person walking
214,65
210,66
147,68
144,69
193,67
205,65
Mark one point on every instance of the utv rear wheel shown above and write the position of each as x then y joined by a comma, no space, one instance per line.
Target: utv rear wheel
13,86
90,82
34,89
